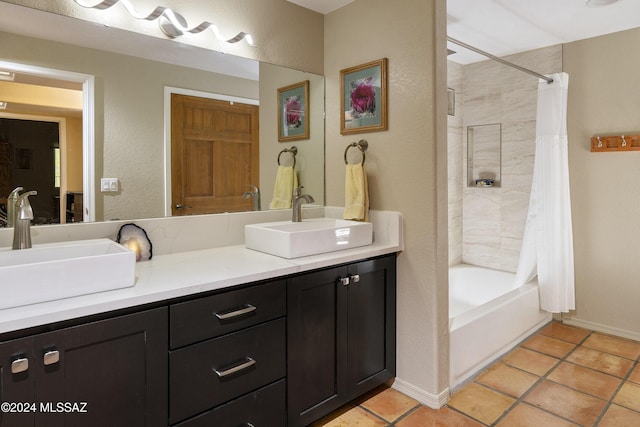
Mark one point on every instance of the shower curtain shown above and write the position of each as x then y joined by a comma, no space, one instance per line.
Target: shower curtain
547,246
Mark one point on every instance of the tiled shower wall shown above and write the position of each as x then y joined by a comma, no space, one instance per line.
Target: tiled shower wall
486,224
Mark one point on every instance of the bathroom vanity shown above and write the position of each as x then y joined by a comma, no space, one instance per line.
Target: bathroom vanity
223,336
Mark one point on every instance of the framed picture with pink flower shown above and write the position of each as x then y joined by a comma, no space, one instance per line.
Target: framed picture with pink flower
293,112
364,98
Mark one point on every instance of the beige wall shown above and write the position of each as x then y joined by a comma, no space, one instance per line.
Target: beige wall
406,165
603,99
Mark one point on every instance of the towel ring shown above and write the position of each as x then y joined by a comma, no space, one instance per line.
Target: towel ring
293,150
362,146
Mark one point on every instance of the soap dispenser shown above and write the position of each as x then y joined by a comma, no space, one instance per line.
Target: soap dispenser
11,206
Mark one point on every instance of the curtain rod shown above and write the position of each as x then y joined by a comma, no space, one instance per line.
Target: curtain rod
502,61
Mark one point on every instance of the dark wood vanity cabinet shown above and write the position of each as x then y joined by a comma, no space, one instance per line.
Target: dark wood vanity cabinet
278,353
228,359
340,336
104,373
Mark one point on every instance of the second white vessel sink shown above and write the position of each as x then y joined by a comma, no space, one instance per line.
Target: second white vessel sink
55,271
289,239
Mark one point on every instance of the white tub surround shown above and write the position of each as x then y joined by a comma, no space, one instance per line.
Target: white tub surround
191,255
488,316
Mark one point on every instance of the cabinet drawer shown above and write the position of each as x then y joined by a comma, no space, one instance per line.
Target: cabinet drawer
207,374
263,408
209,317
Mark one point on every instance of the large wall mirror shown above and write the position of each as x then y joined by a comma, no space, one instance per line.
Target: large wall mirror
124,83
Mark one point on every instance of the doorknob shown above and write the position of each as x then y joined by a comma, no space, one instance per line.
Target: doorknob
181,206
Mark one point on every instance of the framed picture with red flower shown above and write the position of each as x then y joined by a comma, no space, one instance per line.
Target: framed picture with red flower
364,98
293,112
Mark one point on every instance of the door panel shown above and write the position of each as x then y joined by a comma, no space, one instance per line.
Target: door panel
215,154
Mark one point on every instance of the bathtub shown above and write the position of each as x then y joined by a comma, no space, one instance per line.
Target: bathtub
488,316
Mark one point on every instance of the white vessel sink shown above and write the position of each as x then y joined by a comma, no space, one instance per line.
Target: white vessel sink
55,271
310,237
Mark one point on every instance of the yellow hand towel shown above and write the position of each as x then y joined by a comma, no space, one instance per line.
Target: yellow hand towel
286,181
356,194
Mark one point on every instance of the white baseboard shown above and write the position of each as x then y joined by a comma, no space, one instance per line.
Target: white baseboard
601,328
433,401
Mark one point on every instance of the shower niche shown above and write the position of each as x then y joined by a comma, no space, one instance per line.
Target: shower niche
484,155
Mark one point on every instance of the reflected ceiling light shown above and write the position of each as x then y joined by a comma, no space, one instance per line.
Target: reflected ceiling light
599,3
7,75
171,23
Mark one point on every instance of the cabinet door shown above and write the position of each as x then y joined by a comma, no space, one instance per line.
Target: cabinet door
16,382
371,325
118,367
316,345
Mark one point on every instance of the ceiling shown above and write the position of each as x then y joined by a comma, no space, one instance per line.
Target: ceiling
322,6
504,27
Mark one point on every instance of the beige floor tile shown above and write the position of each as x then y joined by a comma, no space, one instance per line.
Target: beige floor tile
550,346
443,417
603,362
635,375
629,396
617,416
530,361
390,404
480,403
613,345
507,380
566,403
586,380
525,415
564,332
351,418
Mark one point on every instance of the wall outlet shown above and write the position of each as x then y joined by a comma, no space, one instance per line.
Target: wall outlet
108,185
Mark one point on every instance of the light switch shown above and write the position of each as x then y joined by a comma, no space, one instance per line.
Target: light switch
108,185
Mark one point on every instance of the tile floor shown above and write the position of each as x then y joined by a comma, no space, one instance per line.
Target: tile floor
560,376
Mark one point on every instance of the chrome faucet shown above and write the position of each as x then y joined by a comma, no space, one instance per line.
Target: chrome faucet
298,199
11,206
255,195
22,227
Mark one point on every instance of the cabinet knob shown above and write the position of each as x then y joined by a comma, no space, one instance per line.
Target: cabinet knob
19,365
344,280
51,357
355,278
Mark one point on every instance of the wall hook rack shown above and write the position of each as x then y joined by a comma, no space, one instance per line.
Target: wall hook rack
615,143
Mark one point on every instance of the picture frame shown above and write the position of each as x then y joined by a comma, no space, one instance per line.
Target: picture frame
363,101
293,112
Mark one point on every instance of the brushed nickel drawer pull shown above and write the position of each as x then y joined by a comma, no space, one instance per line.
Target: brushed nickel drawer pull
243,365
19,365
236,312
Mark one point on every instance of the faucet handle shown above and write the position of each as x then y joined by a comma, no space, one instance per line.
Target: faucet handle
297,191
23,206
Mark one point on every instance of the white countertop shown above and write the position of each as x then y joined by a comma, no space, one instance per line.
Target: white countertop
169,276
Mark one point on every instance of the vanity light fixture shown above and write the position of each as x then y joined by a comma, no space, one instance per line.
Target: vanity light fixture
599,3
171,23
3,105
7,75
